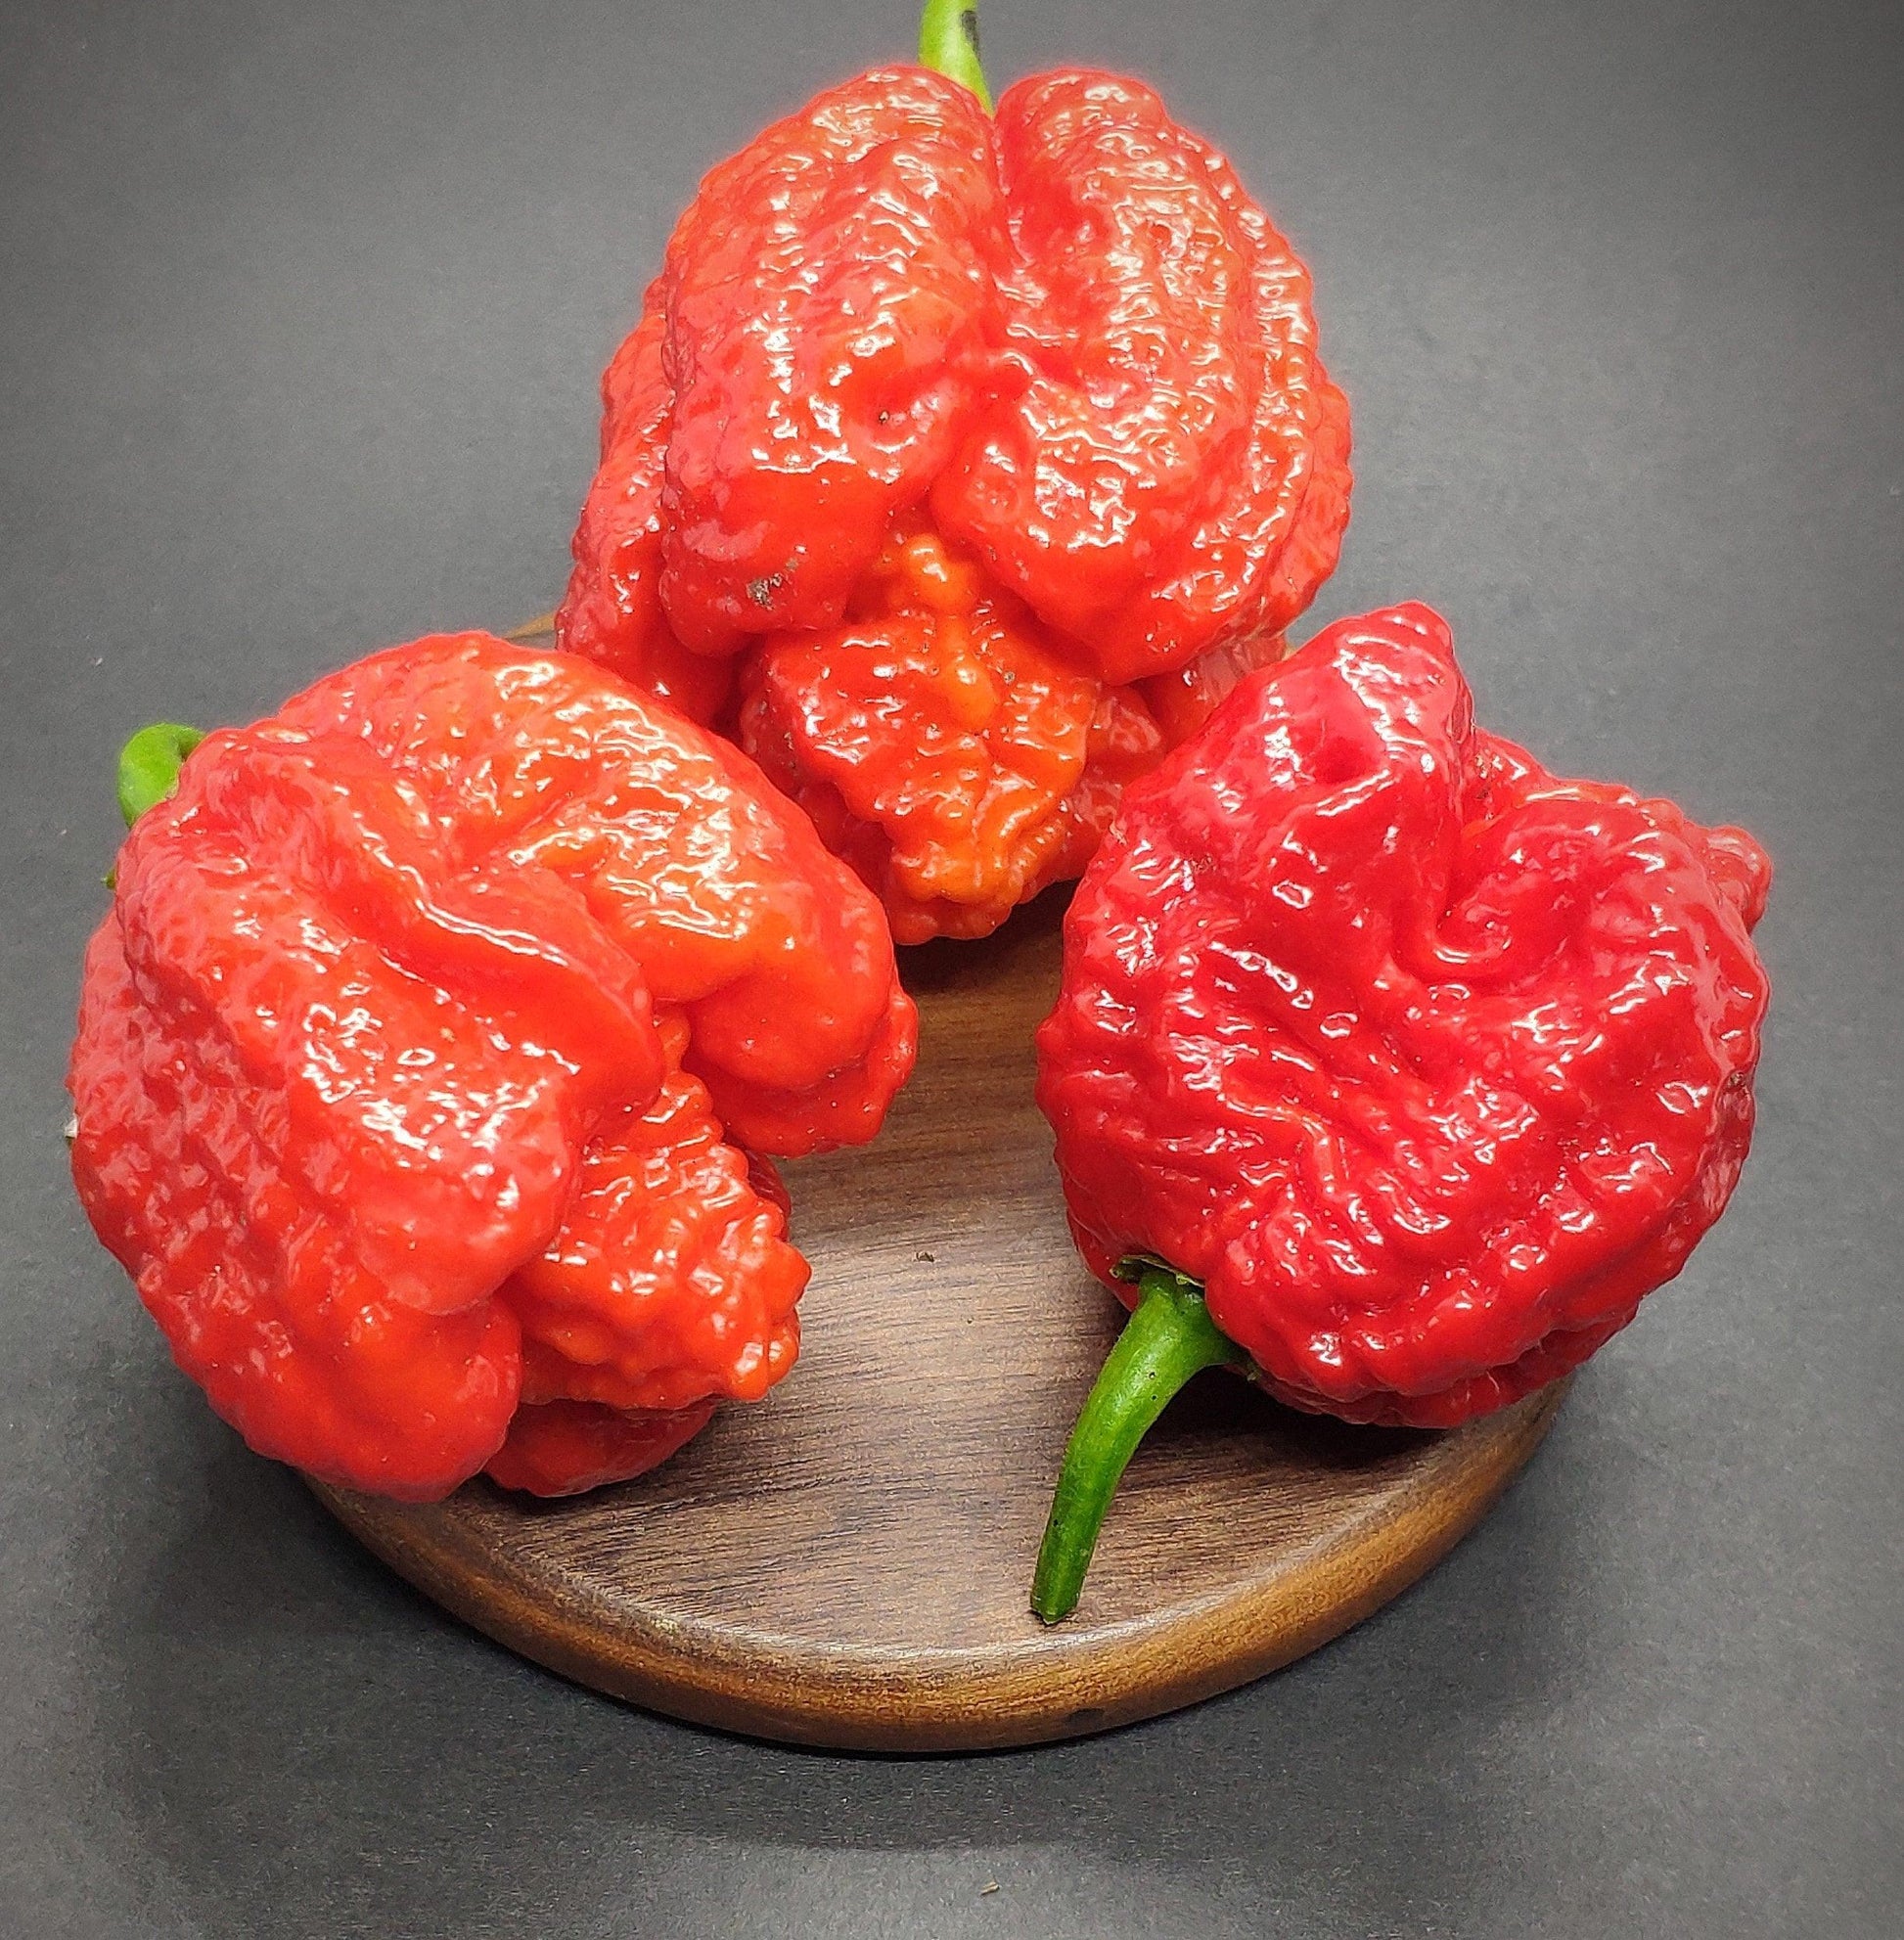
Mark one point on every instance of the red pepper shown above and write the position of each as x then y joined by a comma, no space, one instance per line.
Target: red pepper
422,1058
1388,1064
956,466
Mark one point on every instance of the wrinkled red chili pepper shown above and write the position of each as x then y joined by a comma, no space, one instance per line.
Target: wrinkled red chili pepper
956,467
1385,1062
421,1059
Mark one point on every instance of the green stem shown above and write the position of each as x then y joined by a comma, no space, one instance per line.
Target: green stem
1168,1339
149,765
948,44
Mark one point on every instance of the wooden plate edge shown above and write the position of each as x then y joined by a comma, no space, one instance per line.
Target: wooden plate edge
1031,1696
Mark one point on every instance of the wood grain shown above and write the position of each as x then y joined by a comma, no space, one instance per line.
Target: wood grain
846,1563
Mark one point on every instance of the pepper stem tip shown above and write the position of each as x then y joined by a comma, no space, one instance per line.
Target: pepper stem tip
1169,1338
948,44
149,765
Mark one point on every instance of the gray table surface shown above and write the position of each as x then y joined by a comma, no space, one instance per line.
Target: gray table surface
302,314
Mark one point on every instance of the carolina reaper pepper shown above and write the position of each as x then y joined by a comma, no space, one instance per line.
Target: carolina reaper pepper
957,466
1386,1065
427,1055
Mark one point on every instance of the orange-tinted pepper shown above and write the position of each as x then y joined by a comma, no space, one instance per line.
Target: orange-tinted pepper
423,1055
957,465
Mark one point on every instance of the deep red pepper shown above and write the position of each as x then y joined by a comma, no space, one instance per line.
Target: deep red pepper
1386,1061
422,1055
957,465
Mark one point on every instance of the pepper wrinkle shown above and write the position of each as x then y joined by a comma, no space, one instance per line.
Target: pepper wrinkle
429,1059
957,467
1427,1064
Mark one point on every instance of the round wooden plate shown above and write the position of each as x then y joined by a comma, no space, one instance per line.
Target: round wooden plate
847,1563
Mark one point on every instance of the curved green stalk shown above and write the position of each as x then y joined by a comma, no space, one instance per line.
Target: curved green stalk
149,765
948,44
1169,1337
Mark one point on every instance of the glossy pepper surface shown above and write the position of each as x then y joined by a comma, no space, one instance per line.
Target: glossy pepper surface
1419,1066
957,466
423,1059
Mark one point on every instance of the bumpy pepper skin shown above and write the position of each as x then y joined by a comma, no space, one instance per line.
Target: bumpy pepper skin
1426,1064
417,1057
957,465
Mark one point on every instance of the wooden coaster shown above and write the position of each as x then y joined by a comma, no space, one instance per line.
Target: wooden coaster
847,1563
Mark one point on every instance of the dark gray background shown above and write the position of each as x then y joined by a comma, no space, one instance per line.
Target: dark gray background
303,317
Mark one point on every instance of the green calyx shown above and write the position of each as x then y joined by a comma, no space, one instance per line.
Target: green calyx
948,44
149,765
1169,1338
